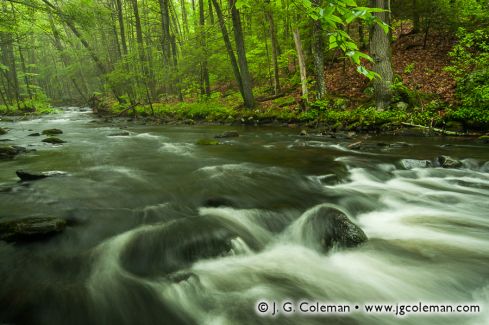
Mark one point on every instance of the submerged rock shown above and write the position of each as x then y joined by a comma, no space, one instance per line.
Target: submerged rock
207,142
53,140
31,228
415,163
163,249
32,176
216,202
448,162
52,132
9,152
120,134
3,131
483,139
227,134
304,133
36,134
329,227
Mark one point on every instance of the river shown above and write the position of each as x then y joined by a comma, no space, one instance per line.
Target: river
136,202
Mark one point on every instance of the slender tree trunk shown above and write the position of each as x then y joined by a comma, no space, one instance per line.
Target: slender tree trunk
302,62
205,83
275,53
24,70
229,47
249,100
165,28
122,30
415,14
184,17
318,54
380,50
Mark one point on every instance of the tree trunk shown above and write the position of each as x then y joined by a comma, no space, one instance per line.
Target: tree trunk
380,50
205,83
165,28
275,54
122,31
229,47
24,70
302,62
416,24
318,54
249,100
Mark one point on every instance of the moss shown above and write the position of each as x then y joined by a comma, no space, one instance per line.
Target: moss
207,142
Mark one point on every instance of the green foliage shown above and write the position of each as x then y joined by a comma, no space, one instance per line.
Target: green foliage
470,68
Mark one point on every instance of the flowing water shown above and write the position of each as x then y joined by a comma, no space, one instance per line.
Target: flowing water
150,243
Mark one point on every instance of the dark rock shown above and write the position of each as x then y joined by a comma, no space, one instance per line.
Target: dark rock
3,131
53,140
328,227
31,176
174,246
228,134
207,142
52,132
304,133
415,163
483,139
9,152
120,134
5,140
31,228
36,134
448,162
216,202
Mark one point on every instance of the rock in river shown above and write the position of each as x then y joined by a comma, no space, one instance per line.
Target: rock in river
328,227
9,152
30,228
227,134
35,134
207,142
448,162
120,134
415,163
2,131
32,176
53,140
52,132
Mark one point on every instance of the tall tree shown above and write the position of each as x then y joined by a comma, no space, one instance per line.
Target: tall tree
380,50
249,100
318,53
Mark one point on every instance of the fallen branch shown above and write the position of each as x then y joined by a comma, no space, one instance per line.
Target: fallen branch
441,131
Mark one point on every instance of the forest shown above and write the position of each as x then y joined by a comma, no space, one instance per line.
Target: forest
356,65
292,162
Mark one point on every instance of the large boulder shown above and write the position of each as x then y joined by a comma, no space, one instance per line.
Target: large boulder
327,227
53,140
50,132
415,163
31,228
3,131
163,249
448,162
25,175
120,134
9,152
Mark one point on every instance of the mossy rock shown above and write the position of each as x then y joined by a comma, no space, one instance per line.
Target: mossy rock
31,228
3,131
7,152
207,142
52,132
53,140
483,139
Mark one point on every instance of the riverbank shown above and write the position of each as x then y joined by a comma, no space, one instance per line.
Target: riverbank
331,116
